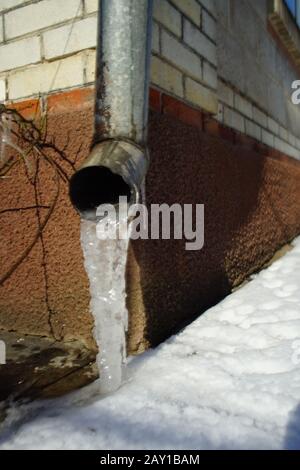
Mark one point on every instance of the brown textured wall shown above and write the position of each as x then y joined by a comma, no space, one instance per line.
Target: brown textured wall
252,207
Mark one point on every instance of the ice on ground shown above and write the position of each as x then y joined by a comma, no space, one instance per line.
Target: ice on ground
230,380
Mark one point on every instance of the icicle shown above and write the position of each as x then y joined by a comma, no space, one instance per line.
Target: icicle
105,264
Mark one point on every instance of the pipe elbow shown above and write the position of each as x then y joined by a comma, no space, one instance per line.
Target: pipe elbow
114,168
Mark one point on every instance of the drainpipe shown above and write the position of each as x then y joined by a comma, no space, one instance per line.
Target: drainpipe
118,160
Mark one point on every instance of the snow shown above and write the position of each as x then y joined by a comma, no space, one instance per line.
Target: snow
230,380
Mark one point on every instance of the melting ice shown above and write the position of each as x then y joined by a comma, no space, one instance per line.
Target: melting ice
105,264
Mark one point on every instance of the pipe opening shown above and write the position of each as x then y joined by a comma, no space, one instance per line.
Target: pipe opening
95,185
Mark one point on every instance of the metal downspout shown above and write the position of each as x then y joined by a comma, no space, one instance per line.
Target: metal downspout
118,160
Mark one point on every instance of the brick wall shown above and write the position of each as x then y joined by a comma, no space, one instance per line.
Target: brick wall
185,53
253,64
46,45
218,56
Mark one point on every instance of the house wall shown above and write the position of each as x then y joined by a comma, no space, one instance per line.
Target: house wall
216,137
216,55
251,196
259,75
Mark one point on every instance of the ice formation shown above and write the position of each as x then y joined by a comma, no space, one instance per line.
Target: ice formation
105,264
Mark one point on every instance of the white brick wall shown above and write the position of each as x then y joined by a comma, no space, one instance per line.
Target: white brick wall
210,75
210,5
243,106
90,66
49,45
225,93
168,16
155,37
1,29
180,56
2,90
199,42
253,130
241,114
273,126
47,77
57,29
91,6
234,120
209,25
260,117
6,4
19,53
71,38
250,61
283,133
292,140
200,95
40,15
268,138
43,32
286,148
167,77
189,8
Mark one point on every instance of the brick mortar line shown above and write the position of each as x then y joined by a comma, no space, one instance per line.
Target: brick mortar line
178,108
247,98
21,5
192,77
207,11
214,43
252,103
183,15
202,82
37,32
187,46
23,68
247,117
223,103
238,136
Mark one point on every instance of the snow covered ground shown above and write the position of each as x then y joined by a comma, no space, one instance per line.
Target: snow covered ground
230,380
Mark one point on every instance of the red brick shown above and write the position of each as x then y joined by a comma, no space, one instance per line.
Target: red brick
155,99
274,153
211,126
245,140
277,155
173,107
29,109
261,148
62,102
227,133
